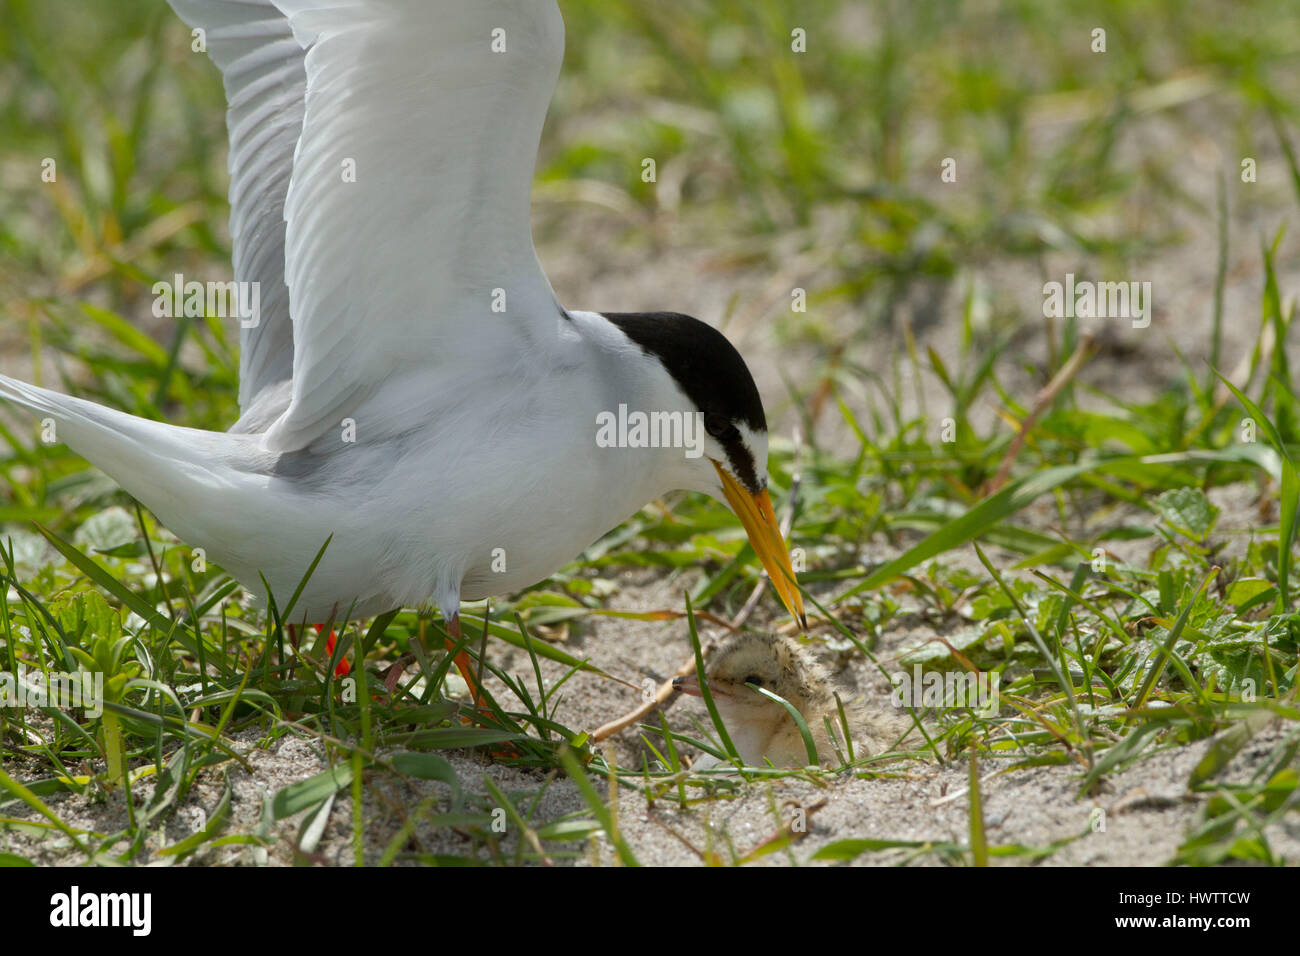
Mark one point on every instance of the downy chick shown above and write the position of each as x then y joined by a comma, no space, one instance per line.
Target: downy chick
761,728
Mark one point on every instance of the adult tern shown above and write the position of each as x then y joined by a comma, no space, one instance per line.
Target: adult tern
410,385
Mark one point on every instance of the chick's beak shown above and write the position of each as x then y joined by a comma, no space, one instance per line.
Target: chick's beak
756,514
687,685
690,686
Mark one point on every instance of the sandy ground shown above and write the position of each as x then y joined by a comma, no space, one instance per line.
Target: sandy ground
1145,810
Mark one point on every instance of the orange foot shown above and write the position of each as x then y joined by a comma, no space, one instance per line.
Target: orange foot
462,662
343,668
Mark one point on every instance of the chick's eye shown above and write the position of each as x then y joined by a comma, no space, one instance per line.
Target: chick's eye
755,680
720,427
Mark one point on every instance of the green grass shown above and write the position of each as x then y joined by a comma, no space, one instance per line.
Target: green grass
826,159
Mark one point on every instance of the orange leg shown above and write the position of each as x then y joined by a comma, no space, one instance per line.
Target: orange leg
343,668
462,662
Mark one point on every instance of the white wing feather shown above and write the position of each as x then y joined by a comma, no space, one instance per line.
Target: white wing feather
266,81
409,248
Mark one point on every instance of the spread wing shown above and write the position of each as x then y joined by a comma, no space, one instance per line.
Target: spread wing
382,156
266,83
409,248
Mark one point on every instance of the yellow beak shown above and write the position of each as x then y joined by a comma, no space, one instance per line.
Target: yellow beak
756,514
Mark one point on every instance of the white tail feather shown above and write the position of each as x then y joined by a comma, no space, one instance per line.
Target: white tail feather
166,467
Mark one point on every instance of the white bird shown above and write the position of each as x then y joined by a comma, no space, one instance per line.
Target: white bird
411,386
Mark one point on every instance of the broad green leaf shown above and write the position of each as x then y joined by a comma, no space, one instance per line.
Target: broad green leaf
428,767
107,530
1187,510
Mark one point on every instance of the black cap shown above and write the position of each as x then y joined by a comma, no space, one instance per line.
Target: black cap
709,370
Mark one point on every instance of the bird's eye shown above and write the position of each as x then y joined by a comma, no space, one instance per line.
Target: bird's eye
720,427
755,680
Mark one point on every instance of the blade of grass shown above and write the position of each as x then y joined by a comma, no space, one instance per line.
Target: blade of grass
809,745
1289,494
569,760
35,802
705,693
132,601
1167,648
978,842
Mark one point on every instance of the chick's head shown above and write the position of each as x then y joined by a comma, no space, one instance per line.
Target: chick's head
772,662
